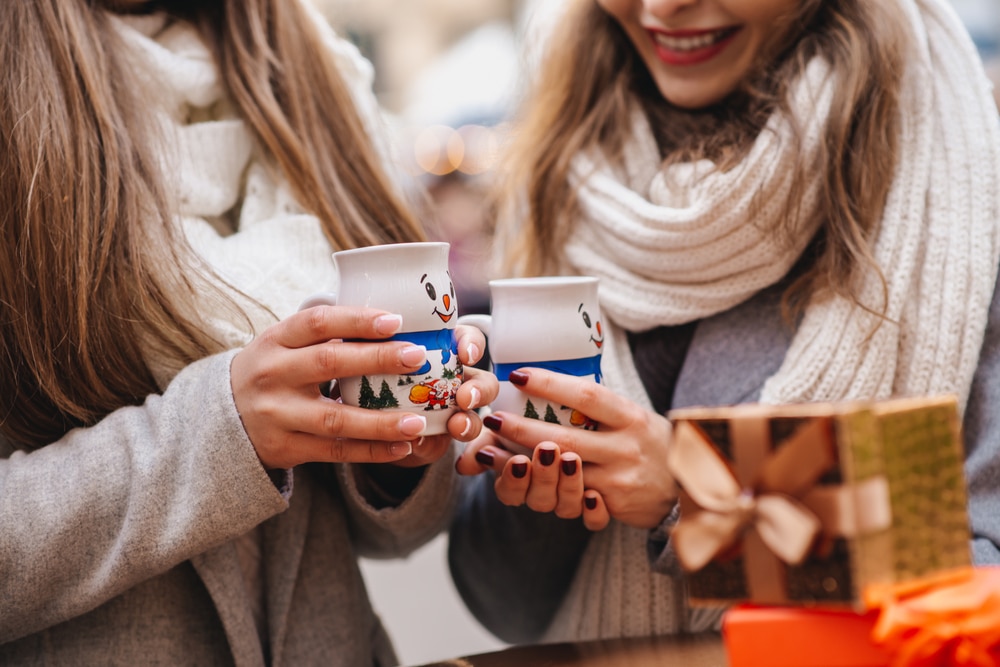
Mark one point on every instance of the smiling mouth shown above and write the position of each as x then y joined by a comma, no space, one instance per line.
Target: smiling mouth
596,342
690,47
445,317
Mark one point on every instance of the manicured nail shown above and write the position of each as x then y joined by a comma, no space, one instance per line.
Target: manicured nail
492,422
468,427
569,466
519,469
473,353
484,457
387,325
401,449
590,502
413,356
519,378
546,456
476,397
412,425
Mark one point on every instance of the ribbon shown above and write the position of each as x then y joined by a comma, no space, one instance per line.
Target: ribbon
578,367
947,619
767,499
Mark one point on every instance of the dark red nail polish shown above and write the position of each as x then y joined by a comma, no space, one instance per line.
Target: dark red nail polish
546,456
590,502
519,378
485,458
492,422
519,469
569,466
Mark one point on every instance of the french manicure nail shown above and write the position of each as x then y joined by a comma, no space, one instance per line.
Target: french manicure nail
485,458
569,466
388,324
590,502
519,469
413,356
401,449
492,422
473,352
518,378
412,425
468,427
546,456
476,397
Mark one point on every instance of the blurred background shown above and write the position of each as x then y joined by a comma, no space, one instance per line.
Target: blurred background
447,74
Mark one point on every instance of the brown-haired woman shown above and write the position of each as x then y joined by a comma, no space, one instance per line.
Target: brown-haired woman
785,201
173,178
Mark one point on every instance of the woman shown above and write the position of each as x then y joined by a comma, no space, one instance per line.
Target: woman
785,201
173,178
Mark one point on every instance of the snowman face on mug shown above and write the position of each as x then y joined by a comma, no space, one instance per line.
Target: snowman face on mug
593,326
440,290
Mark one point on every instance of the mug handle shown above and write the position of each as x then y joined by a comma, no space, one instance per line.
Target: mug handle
481,321
319,299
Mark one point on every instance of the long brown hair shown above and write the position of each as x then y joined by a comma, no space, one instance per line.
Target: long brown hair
591,74
90,266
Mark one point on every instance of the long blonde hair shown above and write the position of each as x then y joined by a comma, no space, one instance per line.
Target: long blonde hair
591,74
89,257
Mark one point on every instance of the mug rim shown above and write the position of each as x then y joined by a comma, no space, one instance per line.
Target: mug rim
535,281
382,247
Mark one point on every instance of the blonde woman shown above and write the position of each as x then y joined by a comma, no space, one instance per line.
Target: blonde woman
785,201
173,178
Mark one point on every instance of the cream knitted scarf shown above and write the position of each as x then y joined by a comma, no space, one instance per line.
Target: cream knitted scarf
678,244
674,245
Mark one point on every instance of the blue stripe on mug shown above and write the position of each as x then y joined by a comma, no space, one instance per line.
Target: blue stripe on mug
577,367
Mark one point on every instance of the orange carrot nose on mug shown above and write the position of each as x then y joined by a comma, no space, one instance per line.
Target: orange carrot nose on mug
413,280
546,322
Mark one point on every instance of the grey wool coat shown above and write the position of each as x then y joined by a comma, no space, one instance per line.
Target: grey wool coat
116,542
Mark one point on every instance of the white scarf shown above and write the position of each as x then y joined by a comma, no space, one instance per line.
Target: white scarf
677,244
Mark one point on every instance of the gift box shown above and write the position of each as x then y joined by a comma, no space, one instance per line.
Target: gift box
950,619
813,503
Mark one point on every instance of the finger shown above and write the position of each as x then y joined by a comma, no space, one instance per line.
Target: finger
427,450
464,426
305,448
478,389
595,512
481,455
331,419
529,432
322,323
513,483
541,495
569,494
334,359
592,399
471,343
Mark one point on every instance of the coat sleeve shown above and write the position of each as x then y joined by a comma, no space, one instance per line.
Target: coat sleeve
981,429
106,507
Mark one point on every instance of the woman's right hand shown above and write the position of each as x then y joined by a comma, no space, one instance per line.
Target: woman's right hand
276,383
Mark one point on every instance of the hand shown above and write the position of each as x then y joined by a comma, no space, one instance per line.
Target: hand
276,387
624,460
549,481
479,388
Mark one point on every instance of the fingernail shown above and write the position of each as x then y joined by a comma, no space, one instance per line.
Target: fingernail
569,466
413,356
476,397
546,456
492,422
401,449
519,378
519,469
590,502
473,352
412,424
468,427
388,324
484,457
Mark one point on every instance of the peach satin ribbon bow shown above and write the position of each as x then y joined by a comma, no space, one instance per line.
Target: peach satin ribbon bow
727,508
951,619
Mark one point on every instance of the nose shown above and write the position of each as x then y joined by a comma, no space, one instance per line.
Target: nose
599,328
447,302
665,9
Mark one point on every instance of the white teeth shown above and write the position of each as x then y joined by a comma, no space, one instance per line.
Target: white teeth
690,43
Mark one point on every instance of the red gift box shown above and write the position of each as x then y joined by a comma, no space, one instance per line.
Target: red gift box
952,619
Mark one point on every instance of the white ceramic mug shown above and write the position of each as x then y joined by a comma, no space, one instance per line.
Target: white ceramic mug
413,280
546,322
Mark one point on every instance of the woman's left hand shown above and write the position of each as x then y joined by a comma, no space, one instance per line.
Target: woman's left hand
478,389
624,460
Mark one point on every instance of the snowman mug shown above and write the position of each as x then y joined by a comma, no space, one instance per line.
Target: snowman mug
413,280
546,322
